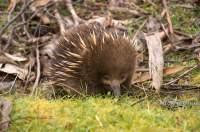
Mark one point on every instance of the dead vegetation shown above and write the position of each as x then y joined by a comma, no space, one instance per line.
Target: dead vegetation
30,27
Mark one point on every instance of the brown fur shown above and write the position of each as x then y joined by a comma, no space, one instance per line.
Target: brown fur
87,58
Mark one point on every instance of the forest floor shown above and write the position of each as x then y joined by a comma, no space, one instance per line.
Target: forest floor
127,113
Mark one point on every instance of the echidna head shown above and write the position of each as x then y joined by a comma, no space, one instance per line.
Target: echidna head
112,64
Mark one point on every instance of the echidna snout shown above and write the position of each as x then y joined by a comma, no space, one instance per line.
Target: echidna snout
113,85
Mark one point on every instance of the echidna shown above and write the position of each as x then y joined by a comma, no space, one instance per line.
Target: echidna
88,59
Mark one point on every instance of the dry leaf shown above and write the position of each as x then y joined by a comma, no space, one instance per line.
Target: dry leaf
4,59
12,4
15,57
141,77
13,69
38,3
173,70
167,71
45,18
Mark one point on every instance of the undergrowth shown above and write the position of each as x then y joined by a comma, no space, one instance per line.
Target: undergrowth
109,114
100,114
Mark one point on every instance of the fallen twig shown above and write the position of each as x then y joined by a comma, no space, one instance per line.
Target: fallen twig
137,7
139,101
152,3
23,9
11,9
25,27
108,21
60,21
184,73
75,17
139,29
39,39
38,71
125,10
168,16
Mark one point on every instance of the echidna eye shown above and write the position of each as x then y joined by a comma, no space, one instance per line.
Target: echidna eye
123,76
105,77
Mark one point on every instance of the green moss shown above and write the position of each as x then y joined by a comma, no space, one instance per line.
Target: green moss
149,8
63,11
195,77
98,114
108,114
179,58
184,19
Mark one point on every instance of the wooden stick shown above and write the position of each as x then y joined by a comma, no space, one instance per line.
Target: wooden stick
168,16
75,17
38,71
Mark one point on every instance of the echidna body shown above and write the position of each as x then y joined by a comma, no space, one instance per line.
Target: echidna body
90,60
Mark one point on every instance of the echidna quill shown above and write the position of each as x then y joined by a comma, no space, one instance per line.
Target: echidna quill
90,60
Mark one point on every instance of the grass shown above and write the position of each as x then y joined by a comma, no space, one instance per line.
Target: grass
99,114
108,114
184,19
